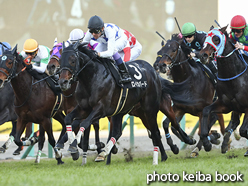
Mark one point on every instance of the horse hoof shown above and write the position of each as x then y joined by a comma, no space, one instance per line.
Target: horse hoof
102,145
215,141
73,148
174,149
59,146
99,158
2,150
75,156
193,141
194,154
59,161
114,150
207,145
246,154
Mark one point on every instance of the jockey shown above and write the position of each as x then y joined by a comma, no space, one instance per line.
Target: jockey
109,40
239,32
76,35
5,45
40,56
195,39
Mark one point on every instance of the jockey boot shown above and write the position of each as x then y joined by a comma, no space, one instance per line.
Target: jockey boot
125,76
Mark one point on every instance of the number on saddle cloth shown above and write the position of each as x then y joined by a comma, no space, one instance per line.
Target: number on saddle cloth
139,79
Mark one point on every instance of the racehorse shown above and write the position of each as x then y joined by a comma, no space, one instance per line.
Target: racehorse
7,113
165,105
231,85
34,102
172,57
69,101
98,95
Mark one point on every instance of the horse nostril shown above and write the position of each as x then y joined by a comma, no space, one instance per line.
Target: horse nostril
156,66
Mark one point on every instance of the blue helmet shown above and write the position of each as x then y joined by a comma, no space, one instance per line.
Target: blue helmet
5,45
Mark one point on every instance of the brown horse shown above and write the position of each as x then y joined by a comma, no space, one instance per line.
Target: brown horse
33,102
172,57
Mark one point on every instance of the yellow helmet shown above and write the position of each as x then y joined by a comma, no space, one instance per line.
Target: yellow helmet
30,45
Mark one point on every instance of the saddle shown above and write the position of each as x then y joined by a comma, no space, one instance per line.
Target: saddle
138,77
139,80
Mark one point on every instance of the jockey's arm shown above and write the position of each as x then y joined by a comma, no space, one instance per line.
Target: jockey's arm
110,34
87,37
41,68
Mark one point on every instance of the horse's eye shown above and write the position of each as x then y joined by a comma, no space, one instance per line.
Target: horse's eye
216,40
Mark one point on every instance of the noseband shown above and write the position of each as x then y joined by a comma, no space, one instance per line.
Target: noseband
174,61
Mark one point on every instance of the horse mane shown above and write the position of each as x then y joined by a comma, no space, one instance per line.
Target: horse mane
186,49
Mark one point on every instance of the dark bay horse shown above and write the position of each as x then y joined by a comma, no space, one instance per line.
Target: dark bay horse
98,96
33,102
69,100
165,105
232,82
173,57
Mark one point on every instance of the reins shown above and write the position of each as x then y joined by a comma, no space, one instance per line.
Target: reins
241,58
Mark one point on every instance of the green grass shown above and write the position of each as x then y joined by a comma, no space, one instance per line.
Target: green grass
120,172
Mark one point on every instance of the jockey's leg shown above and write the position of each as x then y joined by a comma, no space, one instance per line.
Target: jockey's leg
125,76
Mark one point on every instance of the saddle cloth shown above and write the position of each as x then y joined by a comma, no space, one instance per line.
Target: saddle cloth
139,79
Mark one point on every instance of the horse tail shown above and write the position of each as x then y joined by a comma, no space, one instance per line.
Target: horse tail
178,91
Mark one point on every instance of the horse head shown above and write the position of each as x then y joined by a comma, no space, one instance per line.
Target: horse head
169,54
8,65
72,62
214,44
55,54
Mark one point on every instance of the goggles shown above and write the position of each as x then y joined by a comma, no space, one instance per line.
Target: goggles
189,36
95,30
30,53
237,30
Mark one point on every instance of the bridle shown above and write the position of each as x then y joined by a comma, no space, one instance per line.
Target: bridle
174,61
75,71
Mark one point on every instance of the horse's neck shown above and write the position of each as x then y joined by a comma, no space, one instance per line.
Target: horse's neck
230,66
22,83
181,72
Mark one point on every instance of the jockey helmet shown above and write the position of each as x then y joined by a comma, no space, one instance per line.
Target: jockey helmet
76,35
188,29
238,22
95,23
5,45
30,46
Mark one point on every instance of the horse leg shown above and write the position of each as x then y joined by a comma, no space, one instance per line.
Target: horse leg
75,125
116,133
41,142
216,107
98,145
233,124
47,126
7,144
20,126
59,116
244,129
222,123
68,121
85,145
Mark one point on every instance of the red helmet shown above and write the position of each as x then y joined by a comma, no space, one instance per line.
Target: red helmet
238,22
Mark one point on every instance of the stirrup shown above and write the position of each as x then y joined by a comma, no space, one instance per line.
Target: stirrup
125,80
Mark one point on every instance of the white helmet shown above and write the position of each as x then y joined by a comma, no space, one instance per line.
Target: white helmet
76,35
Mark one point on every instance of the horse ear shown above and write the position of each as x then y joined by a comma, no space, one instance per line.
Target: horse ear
60,51
55,41
75,45
14,49
162,43
211,28
223,29
63,45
